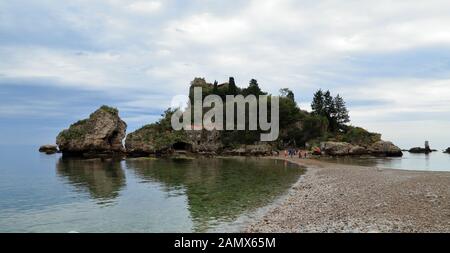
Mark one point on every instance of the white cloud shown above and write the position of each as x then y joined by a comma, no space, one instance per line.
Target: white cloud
401,96
30,109
67,68
413,133
410,110
155,48
206,28
145,6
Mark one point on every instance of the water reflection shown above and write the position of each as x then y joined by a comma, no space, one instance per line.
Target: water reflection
103,180
361,161
218,190
427,160
215,191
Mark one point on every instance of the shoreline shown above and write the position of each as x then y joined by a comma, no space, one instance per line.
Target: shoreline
333,197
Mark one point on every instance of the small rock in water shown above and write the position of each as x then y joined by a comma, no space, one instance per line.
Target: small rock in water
48,149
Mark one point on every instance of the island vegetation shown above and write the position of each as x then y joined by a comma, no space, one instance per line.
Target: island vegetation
326,126
327,122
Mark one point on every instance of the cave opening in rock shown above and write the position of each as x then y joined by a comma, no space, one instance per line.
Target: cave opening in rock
112,138
182,146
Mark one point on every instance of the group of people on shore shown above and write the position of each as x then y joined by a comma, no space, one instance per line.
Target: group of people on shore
291,152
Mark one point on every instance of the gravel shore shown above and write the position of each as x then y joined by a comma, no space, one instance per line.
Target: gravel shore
345,198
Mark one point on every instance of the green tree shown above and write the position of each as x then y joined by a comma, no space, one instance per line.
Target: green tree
253,89
341,113
333,109
232,88
318,103
330,110
288,111
314,126
287,93
360,136
215,88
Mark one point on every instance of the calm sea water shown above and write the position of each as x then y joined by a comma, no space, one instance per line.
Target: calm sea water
45,193
436,161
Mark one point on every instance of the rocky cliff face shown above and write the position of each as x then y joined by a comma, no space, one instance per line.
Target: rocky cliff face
156,139
101,133
336,148
141,142
204,141
160,138
379,148
147,141
385,148
259,149
150,140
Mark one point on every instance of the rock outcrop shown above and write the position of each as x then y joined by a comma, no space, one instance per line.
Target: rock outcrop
161,138
336,148
150,139
204,141
385,148
48,149
379,148
419,150
141,142
447,150
101,134
261,149
358,150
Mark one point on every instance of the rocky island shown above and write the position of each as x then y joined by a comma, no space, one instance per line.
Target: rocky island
420,150
103,132
99,135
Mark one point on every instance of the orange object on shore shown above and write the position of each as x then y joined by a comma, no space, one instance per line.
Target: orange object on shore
317,151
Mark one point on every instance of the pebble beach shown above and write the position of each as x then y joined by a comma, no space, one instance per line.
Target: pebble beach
355,199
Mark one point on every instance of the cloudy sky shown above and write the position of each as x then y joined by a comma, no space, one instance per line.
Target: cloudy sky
60,60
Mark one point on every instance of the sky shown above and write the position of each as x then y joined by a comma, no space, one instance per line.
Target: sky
61,60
